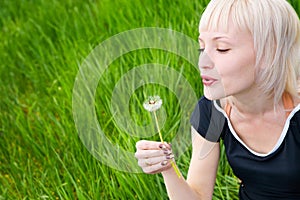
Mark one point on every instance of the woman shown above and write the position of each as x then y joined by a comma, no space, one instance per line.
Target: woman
249,65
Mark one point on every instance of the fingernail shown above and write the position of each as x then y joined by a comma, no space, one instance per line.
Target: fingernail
167,152
162,146
163,163
171,156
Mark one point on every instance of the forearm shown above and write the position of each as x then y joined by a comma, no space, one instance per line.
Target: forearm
178,188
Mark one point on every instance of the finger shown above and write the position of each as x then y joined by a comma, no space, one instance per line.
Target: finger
151,161
165,146
153,169
142,154
146,144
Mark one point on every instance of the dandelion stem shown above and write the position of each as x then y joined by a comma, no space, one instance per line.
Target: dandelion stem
175,169
161,139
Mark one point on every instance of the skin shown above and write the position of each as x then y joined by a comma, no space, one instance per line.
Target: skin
229,58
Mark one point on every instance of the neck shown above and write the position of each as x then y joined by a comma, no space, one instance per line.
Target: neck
253,103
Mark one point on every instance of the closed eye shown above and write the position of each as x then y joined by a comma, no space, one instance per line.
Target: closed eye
222,50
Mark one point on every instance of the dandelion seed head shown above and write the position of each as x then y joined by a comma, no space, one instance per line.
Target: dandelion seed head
153,103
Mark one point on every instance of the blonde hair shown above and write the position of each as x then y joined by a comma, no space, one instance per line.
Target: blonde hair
275,28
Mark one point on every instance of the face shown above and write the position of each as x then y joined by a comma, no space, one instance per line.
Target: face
226,62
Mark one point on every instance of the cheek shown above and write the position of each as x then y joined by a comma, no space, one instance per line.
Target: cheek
237,75
236,66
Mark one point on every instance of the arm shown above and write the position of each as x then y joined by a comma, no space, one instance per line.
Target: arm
201,175
202,171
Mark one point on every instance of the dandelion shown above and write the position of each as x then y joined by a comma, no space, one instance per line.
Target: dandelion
152,104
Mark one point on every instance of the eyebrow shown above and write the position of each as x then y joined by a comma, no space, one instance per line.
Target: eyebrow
215,38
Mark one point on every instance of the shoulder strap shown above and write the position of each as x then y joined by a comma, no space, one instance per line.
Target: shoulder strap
227,109
288,103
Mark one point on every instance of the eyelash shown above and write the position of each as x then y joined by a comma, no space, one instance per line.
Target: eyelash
222,50
201,50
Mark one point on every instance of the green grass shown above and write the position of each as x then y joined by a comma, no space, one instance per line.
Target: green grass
42,45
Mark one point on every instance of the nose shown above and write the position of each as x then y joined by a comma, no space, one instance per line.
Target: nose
205,61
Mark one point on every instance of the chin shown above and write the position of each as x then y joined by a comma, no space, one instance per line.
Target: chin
214,94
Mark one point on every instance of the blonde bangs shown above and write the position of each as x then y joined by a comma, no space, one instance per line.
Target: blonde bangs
218,13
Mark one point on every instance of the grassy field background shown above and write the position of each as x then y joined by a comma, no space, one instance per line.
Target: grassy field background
42,45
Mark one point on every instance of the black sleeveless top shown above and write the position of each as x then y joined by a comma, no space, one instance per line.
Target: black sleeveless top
275,175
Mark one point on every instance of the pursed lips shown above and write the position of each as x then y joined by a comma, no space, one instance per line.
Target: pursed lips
207,80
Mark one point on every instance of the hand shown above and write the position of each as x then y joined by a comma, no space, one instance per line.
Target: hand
154,157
